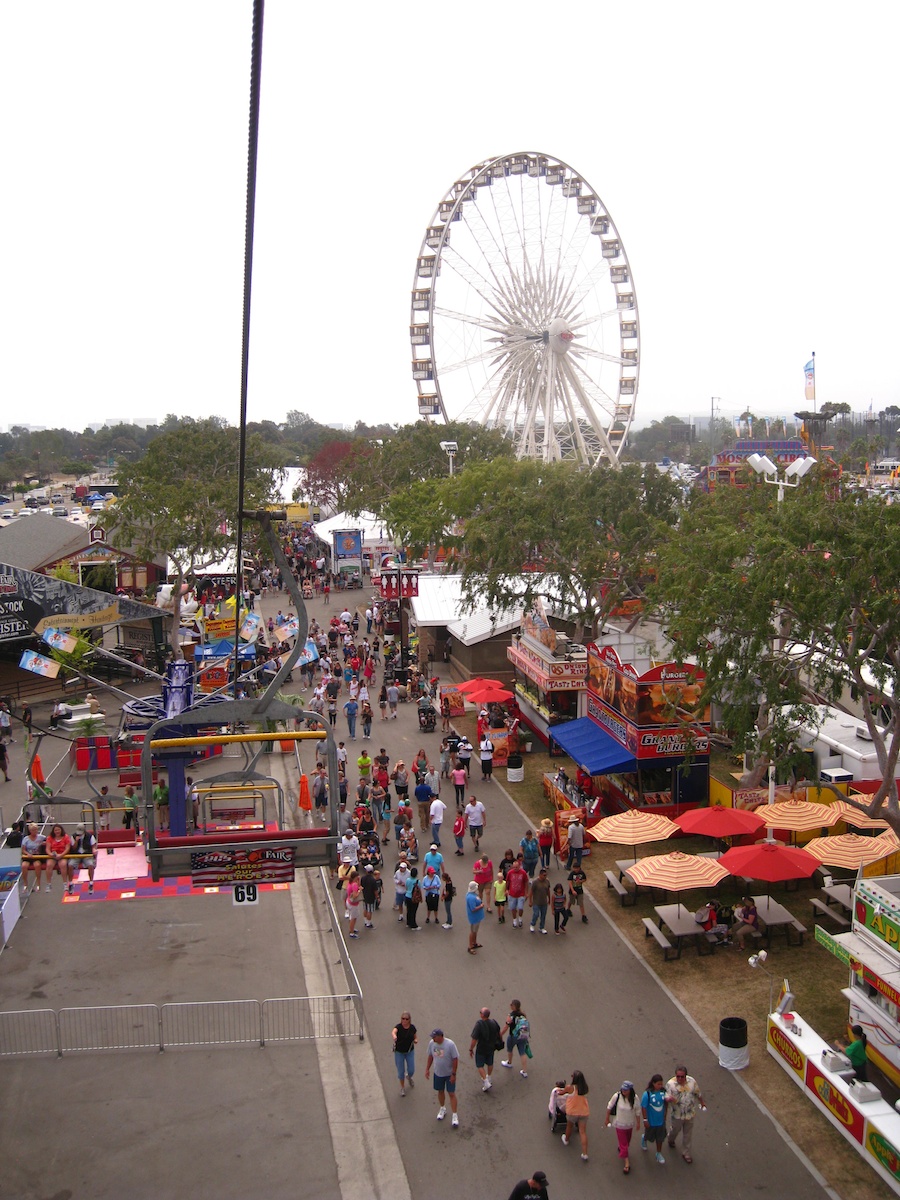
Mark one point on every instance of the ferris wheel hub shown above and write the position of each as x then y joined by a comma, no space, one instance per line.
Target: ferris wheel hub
561,336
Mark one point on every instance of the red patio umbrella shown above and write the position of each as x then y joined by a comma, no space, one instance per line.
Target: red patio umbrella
478,681
769,861
488,695
720,822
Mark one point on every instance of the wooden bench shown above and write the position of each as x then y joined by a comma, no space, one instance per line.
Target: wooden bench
821,909
799,928
651,929
613,881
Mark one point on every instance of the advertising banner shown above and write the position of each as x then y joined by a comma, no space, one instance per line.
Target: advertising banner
38,664
56,639
30,602
264,864
347,544
654,715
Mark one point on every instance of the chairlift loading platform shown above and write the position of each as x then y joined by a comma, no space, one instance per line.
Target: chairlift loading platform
175,856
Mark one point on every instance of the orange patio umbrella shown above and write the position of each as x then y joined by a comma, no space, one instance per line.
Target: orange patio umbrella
858,819
798,815
676,872
850,850
632,828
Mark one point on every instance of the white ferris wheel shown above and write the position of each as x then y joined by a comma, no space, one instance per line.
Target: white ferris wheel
524,314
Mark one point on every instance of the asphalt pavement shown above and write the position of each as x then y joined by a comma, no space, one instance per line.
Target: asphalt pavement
327,1121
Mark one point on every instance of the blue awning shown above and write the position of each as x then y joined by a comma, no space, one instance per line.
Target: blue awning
591,747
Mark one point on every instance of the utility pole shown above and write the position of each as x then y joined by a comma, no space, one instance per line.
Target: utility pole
712,423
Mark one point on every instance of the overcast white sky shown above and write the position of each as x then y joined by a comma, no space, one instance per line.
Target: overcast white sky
746,153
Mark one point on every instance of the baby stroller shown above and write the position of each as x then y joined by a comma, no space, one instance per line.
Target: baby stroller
556,1107
428,719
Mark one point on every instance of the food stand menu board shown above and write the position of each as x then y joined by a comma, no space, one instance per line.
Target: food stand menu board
872,1126
654,715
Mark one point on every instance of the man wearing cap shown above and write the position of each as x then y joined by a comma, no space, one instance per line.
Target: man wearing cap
431,888
575,835
434,858
401,875
539,897
533,1188
81,854
444,1056
349,848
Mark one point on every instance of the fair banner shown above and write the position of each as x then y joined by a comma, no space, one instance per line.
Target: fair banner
263,864
58,639
38,664
347,544
250,626
288,630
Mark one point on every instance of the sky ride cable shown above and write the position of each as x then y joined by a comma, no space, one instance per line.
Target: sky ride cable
252,154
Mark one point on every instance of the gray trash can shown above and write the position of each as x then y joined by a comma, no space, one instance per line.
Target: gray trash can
734,1053
515,771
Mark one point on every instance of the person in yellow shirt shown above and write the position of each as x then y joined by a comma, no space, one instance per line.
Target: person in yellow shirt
500,897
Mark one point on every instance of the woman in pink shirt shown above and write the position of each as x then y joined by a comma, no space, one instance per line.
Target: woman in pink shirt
459,777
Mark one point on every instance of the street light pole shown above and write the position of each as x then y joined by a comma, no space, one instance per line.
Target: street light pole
793,472
793,476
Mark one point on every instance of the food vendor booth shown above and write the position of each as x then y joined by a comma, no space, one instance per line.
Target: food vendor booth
871,952
550,674
644,741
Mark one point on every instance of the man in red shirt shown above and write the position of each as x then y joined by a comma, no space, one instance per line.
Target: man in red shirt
516,890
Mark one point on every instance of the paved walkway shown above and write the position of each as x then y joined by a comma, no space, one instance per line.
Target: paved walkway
327,1121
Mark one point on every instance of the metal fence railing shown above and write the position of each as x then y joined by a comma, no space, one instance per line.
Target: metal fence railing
214,1023
179,1026
32,1032
119,1027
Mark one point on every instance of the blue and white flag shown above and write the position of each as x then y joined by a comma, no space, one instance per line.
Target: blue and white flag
810,372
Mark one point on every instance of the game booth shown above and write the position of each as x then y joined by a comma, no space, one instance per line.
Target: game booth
644,743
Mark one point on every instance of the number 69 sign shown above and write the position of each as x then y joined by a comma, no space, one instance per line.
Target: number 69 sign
245,893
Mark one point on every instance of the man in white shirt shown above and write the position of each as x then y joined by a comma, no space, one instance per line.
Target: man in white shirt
438,808
349,848
475,817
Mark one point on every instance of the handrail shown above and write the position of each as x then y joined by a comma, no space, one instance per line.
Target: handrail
223,739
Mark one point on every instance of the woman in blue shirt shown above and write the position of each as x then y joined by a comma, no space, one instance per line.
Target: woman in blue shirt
531,852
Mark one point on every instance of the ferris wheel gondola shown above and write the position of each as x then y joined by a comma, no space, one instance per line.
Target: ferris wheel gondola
524,315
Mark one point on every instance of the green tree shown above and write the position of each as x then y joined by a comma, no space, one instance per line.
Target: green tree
181,499
522,529
784,606
413,455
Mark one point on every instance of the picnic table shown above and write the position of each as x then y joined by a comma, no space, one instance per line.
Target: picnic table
681,924
842,893
776,916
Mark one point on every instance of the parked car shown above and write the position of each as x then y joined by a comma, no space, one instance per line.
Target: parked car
5,499
60,511
57,498
32,502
